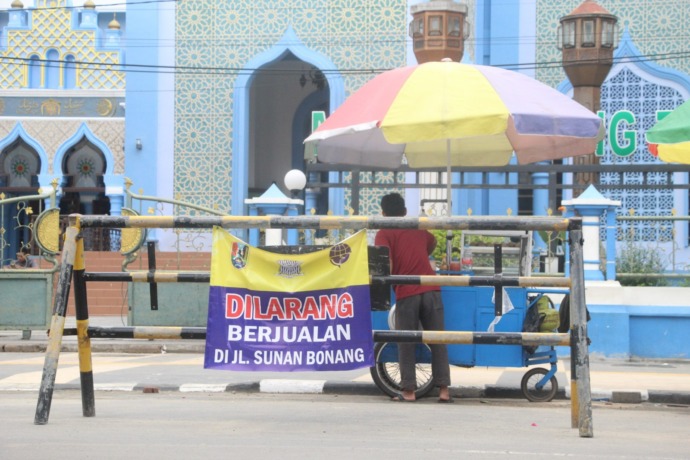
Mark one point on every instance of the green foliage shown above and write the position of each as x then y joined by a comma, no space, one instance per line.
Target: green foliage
640,260
439,253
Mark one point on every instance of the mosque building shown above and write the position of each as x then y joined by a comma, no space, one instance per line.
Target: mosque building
208,102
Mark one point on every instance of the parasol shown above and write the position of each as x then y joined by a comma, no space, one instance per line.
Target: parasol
452,114
669,139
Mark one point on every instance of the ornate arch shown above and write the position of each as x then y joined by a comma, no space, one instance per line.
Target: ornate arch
19,132
82,132
291,43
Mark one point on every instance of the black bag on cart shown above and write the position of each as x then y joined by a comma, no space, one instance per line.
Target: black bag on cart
564,314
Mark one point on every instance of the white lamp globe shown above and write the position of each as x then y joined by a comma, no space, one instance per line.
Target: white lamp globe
295,180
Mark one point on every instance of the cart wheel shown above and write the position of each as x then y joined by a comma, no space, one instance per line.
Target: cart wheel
529,385
386,372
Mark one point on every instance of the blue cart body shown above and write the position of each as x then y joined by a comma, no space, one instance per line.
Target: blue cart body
472,309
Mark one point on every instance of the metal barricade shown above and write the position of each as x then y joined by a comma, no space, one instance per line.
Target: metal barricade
73,272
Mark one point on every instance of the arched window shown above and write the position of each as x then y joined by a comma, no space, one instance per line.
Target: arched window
52,66
84,165
84,192
34,72
70,73
19,166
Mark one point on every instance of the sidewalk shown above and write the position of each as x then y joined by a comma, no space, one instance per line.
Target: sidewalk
614,380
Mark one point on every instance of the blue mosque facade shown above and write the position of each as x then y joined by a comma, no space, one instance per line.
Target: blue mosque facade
209,102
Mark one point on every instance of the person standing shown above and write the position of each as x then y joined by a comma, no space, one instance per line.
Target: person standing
414,304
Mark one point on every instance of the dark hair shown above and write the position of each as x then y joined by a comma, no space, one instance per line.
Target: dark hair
393,205
25,250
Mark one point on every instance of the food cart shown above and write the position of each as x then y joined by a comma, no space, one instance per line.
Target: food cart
473,308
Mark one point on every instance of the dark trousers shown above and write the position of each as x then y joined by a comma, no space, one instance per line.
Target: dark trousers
425,309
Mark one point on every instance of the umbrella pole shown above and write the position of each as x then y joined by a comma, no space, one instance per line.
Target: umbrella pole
449,234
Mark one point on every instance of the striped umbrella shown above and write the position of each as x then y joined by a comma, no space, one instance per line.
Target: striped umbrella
669,139
452,114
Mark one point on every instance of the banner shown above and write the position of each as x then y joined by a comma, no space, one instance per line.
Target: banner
288,312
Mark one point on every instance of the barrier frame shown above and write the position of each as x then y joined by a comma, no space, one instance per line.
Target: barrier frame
73,271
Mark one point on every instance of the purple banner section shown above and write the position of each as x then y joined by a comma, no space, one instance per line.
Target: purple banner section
325,330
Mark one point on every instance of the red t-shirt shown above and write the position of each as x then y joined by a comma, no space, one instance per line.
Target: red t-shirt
409,254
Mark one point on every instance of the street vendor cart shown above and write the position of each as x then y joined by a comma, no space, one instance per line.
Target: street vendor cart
473,308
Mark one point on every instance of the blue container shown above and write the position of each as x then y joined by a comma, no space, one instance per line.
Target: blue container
472,309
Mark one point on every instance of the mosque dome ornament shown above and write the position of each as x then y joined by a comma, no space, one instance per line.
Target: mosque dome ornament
17,4
89,5
114,24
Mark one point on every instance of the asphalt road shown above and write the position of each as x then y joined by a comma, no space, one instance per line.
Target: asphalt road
136,425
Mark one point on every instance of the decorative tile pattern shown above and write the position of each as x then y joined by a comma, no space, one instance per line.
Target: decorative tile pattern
195,95
354,34
112,133
628,91
222,126
370,197
193,173
52,29
193,132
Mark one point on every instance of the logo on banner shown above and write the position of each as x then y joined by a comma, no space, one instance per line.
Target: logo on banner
239,254
288,312
290,268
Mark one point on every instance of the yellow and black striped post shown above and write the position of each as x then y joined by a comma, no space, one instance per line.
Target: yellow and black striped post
57,324
83,339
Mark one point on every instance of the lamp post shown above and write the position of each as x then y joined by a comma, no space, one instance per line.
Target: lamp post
295,181
439,29
587,37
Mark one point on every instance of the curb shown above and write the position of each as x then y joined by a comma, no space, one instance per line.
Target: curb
679,398
278,386
105,347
